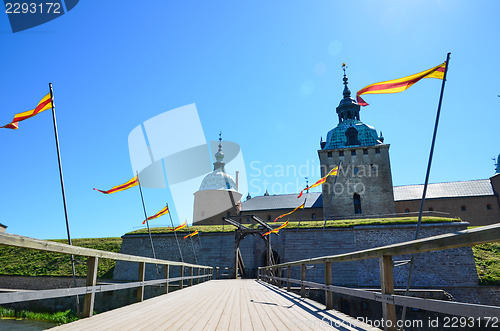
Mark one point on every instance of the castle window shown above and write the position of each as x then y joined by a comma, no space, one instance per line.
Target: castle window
431,209
407,210
341,153
365,151
488,206
228,214
268,218
377,150
463,208
329,154
313,216
352,136
357,203
353,152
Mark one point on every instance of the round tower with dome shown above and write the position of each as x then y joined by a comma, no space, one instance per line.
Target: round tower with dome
364,183
217,196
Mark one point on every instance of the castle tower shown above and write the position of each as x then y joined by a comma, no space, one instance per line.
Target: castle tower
217,196
363,186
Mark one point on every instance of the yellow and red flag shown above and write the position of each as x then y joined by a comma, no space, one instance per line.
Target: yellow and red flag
44,104
401,84
131,183
299,207
277,229
332,172
191,234
158,214
183,225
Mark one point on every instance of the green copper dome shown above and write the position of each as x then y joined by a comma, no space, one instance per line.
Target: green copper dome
350,132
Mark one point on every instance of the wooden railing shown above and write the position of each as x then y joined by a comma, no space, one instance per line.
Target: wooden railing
387,297
91,288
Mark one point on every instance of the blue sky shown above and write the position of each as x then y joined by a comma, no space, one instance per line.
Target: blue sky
268,74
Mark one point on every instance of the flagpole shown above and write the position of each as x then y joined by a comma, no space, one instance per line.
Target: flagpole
63,191
175,234
147,222
403,315
192,245
300,217
331,195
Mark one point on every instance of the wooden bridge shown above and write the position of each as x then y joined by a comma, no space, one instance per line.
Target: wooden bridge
206,304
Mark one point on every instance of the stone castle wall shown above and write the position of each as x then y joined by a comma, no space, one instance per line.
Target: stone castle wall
451,267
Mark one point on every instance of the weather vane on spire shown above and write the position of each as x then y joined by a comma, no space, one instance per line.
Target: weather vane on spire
344,67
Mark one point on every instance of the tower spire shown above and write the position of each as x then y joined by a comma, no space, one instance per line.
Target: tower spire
347,92
219,156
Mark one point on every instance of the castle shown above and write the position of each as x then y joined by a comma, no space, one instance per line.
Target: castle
363,187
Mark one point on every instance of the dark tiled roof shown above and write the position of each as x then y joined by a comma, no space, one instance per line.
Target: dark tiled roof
469,188
283,201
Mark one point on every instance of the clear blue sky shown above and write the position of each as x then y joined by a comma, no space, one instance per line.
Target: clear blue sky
266,73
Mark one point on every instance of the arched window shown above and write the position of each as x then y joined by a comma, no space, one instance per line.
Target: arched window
357,203
268,218
407,210
313,216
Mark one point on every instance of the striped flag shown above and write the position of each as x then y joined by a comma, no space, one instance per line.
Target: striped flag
183,225
277,229
158,214
191,234
332,172
131,183
401,84
299,207
44,104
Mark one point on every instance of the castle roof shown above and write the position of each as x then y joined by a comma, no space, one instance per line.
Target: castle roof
218,179
350,131
282,201
467,188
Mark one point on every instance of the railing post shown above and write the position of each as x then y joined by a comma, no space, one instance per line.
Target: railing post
198,279
216,272
302,278
288,275
181,282
328,281
167,276
142,275
88,301
191,272
387,287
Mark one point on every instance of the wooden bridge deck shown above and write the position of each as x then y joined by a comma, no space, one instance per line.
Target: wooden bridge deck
221,305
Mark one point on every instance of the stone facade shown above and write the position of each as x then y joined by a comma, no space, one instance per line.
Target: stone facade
452,267
364,172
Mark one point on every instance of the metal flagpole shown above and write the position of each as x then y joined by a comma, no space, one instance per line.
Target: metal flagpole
63,192
147,223
403,314
331,195
192,245
300,217
175,234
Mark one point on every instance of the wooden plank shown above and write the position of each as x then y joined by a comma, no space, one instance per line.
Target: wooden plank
167,276
302,278
387,286
469,237
50,246
142,274
88,301
328,281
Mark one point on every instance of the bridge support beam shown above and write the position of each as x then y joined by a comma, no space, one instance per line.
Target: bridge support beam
387,286
328,281
88,301
288,275
142,277
181,282
302,278
167,276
